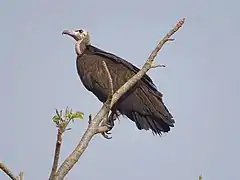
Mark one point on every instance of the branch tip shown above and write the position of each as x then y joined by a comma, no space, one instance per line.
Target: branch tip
89,119
158,65
21,175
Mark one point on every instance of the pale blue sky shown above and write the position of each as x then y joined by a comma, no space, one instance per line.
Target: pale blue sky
200,87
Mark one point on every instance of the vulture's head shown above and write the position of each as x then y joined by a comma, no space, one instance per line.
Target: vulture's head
78,34
82,38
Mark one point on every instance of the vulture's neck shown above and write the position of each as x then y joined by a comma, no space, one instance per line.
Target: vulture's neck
80,47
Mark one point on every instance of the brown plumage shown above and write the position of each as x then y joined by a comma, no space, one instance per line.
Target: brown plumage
142,104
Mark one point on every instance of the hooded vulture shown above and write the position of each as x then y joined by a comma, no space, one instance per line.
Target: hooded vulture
142,104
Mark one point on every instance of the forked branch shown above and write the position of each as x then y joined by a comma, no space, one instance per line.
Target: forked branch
93,127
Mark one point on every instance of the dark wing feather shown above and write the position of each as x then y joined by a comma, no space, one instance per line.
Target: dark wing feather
118,59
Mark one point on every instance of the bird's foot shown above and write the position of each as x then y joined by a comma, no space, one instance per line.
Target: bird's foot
106,135
109,124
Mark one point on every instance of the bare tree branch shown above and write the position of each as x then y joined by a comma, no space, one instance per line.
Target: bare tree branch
148,65
8,171
56,154
93,127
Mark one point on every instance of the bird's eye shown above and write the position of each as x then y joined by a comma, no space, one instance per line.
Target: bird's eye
80,31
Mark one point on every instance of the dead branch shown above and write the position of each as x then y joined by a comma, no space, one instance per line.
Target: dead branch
8,171
93,127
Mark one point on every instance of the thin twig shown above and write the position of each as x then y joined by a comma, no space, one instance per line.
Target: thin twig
8,171
57,153
110,95
72,159
158,65
110,83
102,129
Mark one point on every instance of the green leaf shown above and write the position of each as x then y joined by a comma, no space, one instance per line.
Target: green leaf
68,115
56,118
78,115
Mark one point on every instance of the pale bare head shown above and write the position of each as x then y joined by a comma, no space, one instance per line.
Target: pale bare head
77,34
82,38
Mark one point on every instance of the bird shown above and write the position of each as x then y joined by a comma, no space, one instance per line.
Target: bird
142,104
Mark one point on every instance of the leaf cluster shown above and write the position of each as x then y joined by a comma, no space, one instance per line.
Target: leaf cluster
63,118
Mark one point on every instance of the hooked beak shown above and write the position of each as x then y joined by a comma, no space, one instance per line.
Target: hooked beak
71,33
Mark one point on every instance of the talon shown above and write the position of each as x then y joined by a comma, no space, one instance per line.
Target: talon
106,136
107,133
109,124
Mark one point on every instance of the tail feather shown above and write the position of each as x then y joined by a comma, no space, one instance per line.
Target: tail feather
145,122
158,109
147,109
